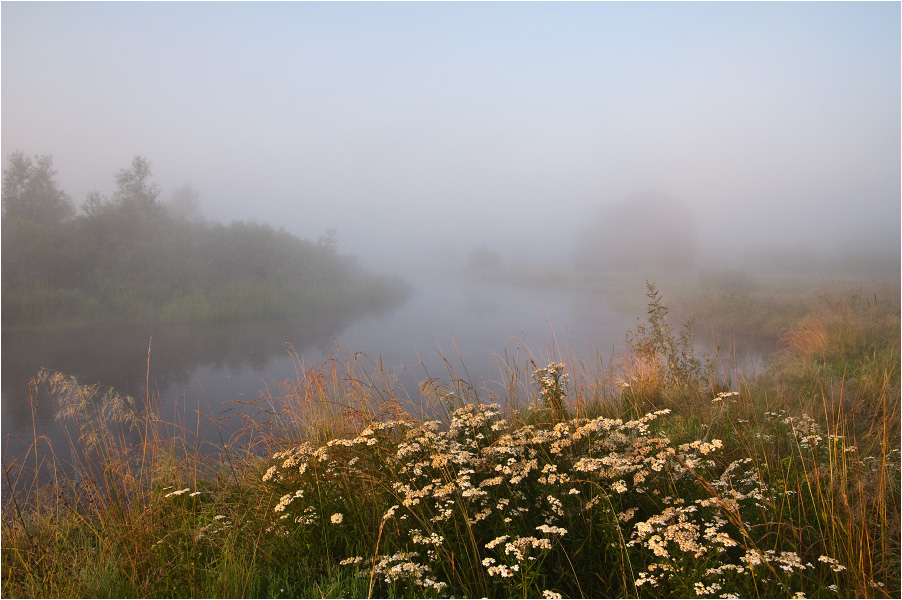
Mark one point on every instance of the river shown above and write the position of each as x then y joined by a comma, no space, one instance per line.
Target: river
215,371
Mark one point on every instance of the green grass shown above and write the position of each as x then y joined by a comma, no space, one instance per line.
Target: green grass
41,304
655,475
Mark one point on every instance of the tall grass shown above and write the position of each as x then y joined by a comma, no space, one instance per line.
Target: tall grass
655,475
40,303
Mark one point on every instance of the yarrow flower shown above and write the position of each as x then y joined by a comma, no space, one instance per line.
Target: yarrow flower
552,530
337,518
833,563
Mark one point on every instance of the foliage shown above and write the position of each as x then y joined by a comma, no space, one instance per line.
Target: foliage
31,191
662,368
132,257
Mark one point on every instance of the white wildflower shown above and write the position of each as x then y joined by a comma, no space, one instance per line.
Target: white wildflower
834,564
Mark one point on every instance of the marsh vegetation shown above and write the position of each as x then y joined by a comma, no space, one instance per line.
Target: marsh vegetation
659,473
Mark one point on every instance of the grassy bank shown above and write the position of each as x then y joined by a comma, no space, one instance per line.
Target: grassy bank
660,474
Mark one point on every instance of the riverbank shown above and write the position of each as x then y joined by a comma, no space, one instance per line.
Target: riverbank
656,474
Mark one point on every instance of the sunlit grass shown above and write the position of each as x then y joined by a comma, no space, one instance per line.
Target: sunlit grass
651,474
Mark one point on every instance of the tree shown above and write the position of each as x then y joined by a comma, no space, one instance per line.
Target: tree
328,242
651,231
133,208
31,192
94,204
184,204
133,185
484,261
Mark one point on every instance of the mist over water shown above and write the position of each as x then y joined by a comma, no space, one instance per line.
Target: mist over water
448,328
495,156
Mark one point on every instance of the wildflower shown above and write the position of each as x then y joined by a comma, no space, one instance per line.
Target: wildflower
619,486
269,473
875,584
492,481
550,529
337,518
551,595
626,515
177,493
503,571
789,560
496,541
702,590
753,558
283,502
724,539
833,563
724,395
481,515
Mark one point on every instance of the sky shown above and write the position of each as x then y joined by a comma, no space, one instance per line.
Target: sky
423,129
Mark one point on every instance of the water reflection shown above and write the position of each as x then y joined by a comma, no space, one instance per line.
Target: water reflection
128,357
207,369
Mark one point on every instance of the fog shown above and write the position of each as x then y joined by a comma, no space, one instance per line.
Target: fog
421,131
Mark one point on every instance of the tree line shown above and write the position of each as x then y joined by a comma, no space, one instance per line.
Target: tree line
132,256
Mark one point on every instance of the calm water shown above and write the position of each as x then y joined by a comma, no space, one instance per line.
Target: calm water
208,369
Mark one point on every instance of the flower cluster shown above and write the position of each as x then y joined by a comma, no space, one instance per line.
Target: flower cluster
552,382
515,494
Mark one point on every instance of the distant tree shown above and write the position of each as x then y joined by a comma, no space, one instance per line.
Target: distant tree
134,211
94,204
328,241
650,231
134,186
483,261
31,191
184,204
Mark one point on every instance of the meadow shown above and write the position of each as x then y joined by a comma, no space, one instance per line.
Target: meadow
662,472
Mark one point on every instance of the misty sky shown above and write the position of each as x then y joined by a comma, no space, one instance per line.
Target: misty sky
424,128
